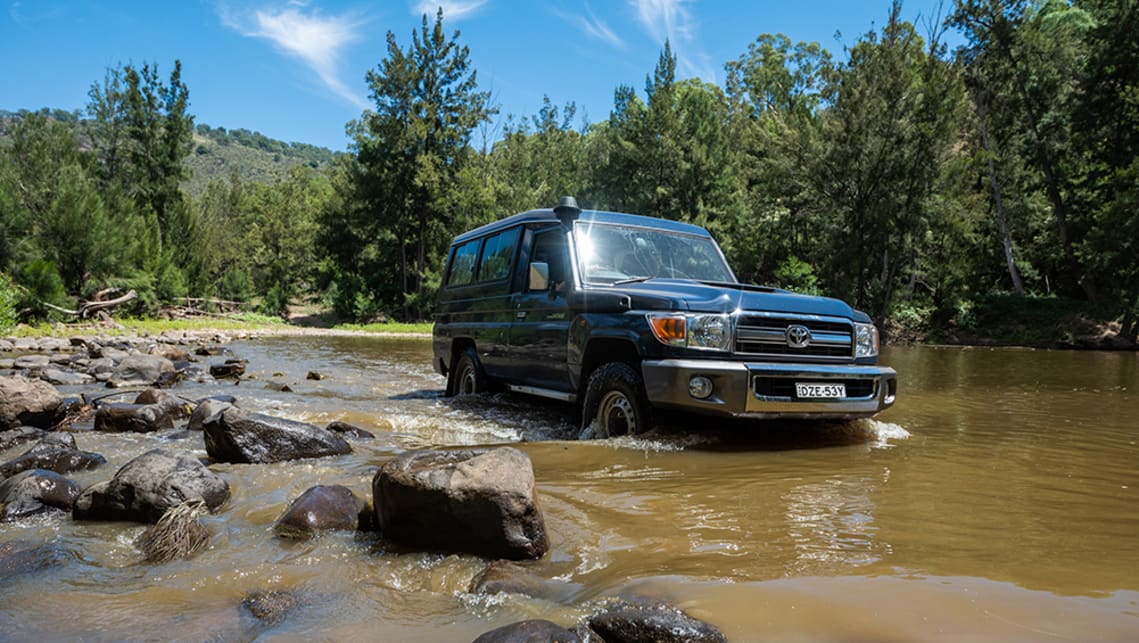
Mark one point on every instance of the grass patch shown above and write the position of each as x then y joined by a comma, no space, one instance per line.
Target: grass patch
390,327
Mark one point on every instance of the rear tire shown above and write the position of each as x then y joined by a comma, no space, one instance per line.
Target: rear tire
467,378
615,402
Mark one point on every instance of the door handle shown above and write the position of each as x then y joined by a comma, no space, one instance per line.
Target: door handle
520,314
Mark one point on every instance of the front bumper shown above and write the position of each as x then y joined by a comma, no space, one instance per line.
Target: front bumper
766,390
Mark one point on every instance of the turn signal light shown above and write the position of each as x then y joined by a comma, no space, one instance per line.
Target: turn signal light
670,329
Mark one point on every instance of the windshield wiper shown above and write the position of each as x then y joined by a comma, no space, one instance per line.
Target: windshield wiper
633,280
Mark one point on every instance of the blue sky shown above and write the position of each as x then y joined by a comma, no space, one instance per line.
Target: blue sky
294,69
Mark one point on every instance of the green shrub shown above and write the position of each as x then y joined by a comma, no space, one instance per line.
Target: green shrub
236,285
276,301
798,275
42,284
8,297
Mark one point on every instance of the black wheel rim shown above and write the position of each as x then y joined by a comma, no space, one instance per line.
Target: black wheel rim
616,415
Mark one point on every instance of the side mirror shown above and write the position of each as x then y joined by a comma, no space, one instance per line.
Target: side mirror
539,276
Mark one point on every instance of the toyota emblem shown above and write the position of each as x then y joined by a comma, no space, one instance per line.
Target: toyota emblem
798,336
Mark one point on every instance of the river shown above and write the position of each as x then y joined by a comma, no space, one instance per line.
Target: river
998,500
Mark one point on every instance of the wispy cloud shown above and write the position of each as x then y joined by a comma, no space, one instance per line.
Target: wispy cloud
593,27
452,9
27,20
314,39
671,20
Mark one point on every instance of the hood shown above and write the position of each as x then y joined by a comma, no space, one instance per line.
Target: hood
710,297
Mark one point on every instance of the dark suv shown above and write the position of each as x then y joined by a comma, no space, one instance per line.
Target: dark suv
632,315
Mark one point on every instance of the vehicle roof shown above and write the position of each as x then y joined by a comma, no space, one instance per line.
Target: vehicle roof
600,216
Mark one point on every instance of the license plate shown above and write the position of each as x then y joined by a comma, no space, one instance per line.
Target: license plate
818,390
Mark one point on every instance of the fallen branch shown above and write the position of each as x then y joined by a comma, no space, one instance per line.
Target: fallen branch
92,306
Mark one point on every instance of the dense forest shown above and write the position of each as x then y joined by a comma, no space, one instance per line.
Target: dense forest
915,181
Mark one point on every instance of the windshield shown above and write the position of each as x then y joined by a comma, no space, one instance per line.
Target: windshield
609,253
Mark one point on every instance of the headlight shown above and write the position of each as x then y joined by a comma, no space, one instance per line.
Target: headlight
865,340
704,332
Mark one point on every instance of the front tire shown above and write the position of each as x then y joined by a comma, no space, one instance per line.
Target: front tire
467,378
615,402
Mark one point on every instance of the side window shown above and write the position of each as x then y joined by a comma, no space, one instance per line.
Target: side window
550,248
463,264
498,255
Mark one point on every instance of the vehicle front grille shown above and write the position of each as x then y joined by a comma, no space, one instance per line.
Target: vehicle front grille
766,335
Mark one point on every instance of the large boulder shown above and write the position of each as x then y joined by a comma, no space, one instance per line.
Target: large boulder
133,418
234,435
479,501
35,491
321,508
144,488
140,370
25,402
56,452
634,622
531,631
174,406
205,410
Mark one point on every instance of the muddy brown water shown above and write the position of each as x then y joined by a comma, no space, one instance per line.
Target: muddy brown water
999,500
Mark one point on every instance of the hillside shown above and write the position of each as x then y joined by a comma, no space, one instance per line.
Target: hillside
217,152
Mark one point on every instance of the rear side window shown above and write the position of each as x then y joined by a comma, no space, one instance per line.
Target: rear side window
498,255
463,264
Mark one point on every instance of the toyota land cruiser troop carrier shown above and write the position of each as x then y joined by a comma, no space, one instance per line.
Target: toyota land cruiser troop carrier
633,316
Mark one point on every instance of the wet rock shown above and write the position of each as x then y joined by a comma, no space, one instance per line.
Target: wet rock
7,364
25,402
116,355
172,353
271,606
234,435
22,557
207,409
18,436
171,379
174,406
132,418
321,508
314,375
55,452
35,491
212,351
53,344
230,369
29,362
278,386
506,577
479,501
144,488
632,623
5,346
350,430
140,370
100,366
65,378
25,345
531,631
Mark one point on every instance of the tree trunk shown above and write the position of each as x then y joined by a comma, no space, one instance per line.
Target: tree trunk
998,202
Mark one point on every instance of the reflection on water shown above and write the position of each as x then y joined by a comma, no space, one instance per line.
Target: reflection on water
996,500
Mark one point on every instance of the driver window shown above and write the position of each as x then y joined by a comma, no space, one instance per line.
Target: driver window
550,248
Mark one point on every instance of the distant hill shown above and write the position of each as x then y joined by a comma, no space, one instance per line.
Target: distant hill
218,152
256,158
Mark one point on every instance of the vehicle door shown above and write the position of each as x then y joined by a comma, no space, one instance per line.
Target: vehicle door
491,311
540,329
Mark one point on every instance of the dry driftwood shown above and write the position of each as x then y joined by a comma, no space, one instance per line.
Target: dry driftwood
92,306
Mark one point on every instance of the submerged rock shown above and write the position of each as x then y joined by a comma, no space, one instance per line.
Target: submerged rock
25,402
530,631
632,623
321,508
479,501
234,435
512,578
270,606
144,488
35,491
21,557
350,430
231,368
18,436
